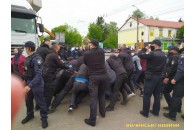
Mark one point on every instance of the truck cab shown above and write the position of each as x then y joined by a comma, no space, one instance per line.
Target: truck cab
23,26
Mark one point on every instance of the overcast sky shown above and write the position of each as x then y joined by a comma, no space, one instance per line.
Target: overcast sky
80,13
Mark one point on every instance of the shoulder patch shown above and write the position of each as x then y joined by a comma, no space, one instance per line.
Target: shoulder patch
39,62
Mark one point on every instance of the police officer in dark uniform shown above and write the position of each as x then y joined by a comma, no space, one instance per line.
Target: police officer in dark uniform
171,69
35,84
156,61
51,65
178,92
95,61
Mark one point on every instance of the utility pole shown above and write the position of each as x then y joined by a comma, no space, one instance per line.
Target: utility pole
137,28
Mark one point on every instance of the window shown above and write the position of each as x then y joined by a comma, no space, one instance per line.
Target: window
169,33
130,24
151,32
142,33
23,24
160,32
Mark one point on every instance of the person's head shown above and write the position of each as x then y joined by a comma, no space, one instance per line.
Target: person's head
113,56
156,44
16,50
29,47
174,50
94,44
55,48
123,46
60,45
48,42
133,52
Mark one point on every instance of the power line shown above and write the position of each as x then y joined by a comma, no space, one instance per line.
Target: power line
168,12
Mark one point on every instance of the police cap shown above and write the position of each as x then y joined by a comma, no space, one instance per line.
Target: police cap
95,42
175,48
30,44
157,42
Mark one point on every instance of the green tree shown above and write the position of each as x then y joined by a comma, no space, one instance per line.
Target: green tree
95,32
100,22
41,38
180,33
138,13
111,40
72,36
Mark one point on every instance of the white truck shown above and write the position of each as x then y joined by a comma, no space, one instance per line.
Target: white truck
24,23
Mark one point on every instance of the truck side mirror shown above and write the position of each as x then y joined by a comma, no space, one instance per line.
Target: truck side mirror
41,28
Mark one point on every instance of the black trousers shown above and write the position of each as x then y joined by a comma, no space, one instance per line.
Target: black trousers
61,81
129,80
77,88
97,84
152,86
167,89
49,87
118,86
178,94
69,85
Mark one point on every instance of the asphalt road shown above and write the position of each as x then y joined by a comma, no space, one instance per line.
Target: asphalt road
122,118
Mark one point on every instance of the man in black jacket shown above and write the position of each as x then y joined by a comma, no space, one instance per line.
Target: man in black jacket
156,61
171,69
80,86
51,65
126,58
116,64
44,50
95,61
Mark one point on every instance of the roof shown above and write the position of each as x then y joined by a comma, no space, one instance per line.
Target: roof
157,23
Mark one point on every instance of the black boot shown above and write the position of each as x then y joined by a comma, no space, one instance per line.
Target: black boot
27,119
52,110
151,111
166,108
143,114
44,124
167,115
109,108
71,107
89,122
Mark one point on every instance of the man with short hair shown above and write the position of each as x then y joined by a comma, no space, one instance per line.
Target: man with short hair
95,61
35,84
51,65
156,61
116,64
44,50
126,58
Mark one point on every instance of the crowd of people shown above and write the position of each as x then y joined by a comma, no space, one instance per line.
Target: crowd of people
50,73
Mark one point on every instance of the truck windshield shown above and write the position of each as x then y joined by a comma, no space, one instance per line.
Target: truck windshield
23,25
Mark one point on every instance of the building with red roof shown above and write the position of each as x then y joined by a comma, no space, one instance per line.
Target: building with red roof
149,29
